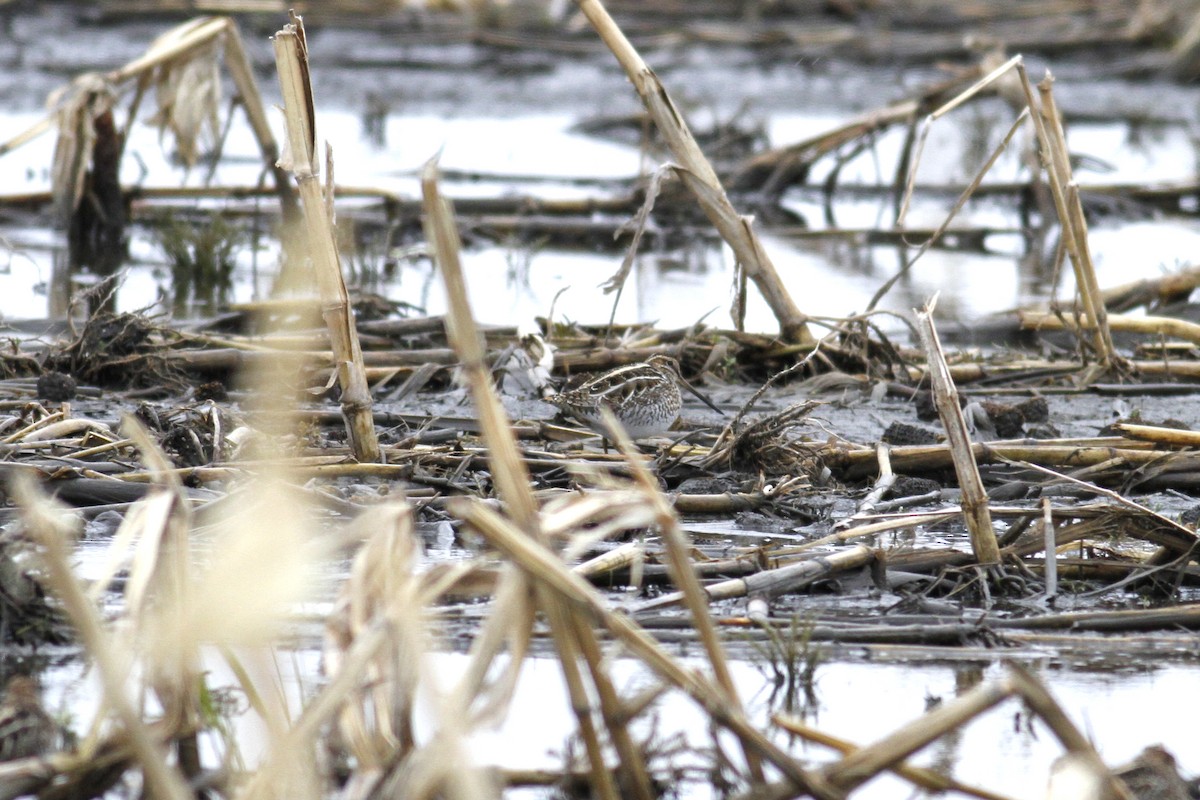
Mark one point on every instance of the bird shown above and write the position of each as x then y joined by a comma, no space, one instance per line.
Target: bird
644,397
26,729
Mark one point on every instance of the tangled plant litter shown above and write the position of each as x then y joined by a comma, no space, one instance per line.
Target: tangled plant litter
377,649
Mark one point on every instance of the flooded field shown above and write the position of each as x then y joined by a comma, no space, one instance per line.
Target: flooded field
513,130
547,154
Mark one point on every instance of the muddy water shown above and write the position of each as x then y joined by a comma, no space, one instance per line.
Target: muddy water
516,283
516,118
513,116
858,694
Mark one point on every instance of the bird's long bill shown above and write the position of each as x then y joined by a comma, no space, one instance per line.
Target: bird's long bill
703,398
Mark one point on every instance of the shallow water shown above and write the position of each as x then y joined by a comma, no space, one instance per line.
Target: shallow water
496,124
855,698
492,122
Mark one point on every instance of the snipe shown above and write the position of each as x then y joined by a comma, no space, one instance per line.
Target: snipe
643,396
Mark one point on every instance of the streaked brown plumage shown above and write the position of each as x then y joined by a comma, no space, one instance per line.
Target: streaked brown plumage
25,728
643,396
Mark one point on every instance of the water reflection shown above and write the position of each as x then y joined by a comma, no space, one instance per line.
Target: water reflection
831,277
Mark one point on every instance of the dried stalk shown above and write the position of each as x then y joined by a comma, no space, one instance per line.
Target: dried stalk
159,596
1056,160
698,175
684,576
291,59
550,572
776,581
46,521
512,483
928,779
866,763
945,395
271,779
1155,326
242,73
178,43
1152,433
377,724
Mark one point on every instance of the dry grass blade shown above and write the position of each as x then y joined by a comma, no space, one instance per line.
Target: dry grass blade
945,395
236,601
377,721
185,60
381,587
510,473
159,597
595,517
512,485
231,602
284,773
483,691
